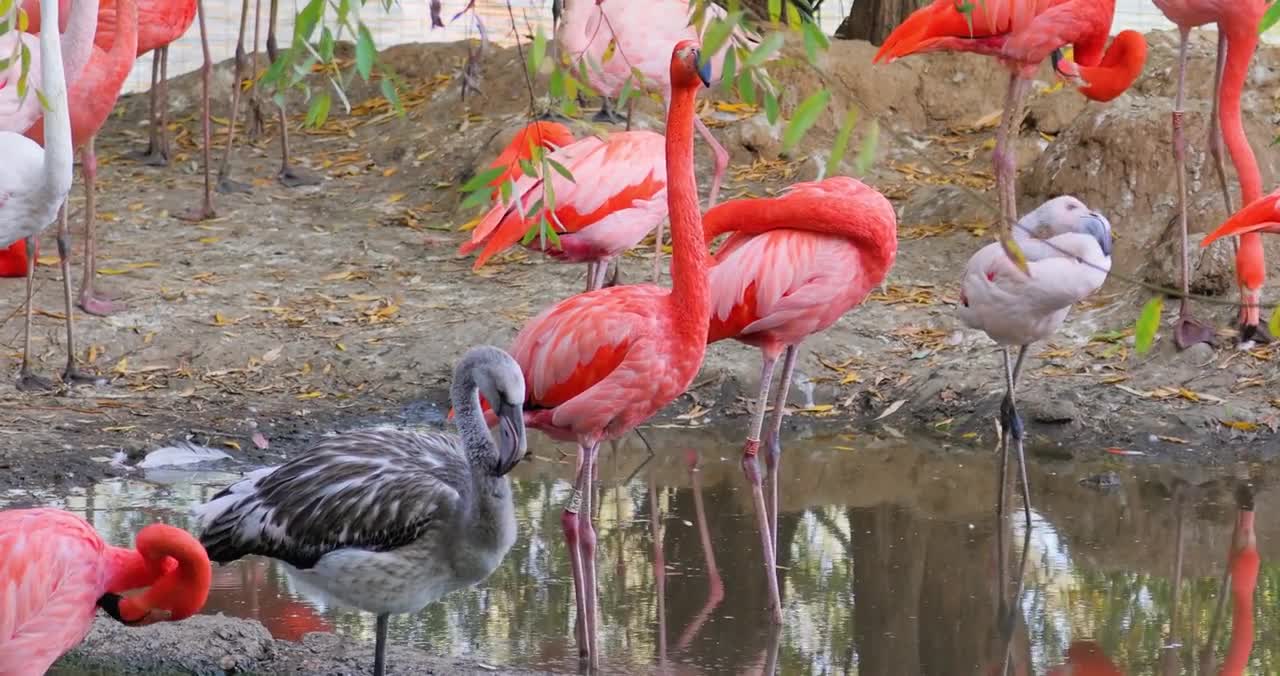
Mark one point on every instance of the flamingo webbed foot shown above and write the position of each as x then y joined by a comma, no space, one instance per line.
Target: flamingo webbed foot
73,376
227,186
553,115
154,156
607,115
98,303
292,177
1010,419
1254,333
30,382
1190,331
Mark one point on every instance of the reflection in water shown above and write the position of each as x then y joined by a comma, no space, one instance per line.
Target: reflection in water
890,564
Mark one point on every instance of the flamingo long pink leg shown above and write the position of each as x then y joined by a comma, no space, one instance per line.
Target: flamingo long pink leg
1188,331
27,380
153,155
1006,168
750,467
71,374
1215,133
580,540
90,300
225,183
720,160
773,441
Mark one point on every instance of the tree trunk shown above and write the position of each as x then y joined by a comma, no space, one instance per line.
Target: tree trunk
873,20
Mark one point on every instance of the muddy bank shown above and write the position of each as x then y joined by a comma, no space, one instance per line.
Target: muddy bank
213,645
297,309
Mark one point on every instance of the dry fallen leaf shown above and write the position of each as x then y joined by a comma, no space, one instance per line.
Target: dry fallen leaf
892,408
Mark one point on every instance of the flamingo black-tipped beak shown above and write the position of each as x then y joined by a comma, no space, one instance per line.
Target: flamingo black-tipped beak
512,440
111,604
704,69
1057,59
1100,228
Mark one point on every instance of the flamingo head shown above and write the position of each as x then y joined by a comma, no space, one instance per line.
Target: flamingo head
180,578
687,64
1065,214
499,382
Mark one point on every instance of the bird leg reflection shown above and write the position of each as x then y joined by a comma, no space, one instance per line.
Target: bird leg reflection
772,442
580,538
715,593
750,468
659,574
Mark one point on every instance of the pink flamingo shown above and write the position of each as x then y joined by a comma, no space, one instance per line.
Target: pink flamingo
1068,250
1243,563
600,363
92,96
539,133
1021,34
35,181
638,35
160,22
55,572
617,196
1237,39
793,265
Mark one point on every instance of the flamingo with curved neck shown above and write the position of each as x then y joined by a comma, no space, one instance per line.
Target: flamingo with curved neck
1022,34
56,572
37,179
598,364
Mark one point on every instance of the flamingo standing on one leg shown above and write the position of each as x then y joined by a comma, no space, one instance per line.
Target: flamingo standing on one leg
1237,24
792,267
93,95
55,572
36,180
617,196
638,37
1068,249
600,363
1021,34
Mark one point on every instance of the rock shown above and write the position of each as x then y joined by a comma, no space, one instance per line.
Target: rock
1053,410
756,136
932,204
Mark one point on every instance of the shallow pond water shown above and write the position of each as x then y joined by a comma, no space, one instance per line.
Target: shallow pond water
887,554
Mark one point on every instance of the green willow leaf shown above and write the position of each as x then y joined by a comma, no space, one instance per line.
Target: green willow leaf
1274,322
717,34
318,113
481,179
806,116
1144,332
475,199
561,169
771,108
1270,18
767,48
841,142
365,52
537,52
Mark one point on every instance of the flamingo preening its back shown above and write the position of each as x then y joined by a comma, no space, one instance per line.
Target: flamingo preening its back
598,364
1237,24
1068,250
1022,34
384,519
790,268
618,194
55,572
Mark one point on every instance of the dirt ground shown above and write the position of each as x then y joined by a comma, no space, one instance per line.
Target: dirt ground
297,308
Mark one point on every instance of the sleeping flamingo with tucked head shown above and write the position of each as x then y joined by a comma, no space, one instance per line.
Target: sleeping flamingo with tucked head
1022,34
55,572
617,196
600,363
1068,249
791,267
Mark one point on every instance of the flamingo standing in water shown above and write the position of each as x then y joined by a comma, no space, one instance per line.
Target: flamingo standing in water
600,363
793,265
617,196
1237,24
93,95
384,519
1068,250
55,572
36,180
1021,34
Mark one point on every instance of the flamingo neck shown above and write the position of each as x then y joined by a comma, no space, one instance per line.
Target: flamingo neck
58,145
77,43
690,291
1240,48
1110,73
468,418
171,564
